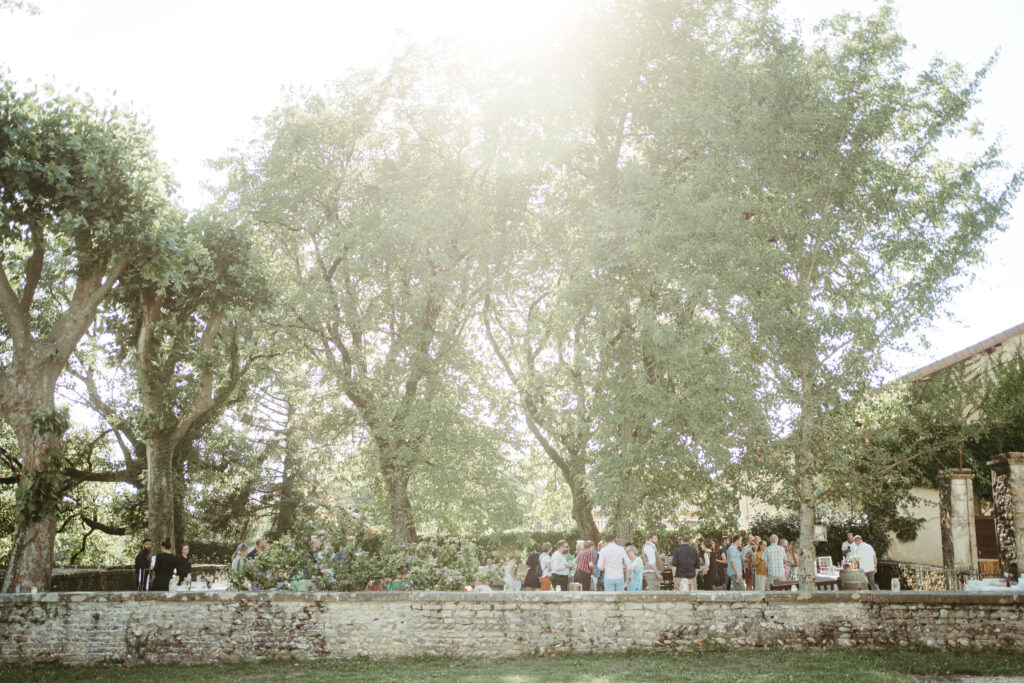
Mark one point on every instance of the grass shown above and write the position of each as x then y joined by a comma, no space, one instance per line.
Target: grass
745,665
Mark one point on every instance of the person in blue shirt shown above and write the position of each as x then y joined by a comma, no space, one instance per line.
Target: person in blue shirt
734,563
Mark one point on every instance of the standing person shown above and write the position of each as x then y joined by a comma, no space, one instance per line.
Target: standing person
163,567
585,561
613,563
792,561
560,567
760,568
142,565
747,555
545,567
686,560
533,571
868,560
848,545
184,564
722,563
238,560
775,561
734,570
598,577
708,570
510,573
261,545
653,564
635,570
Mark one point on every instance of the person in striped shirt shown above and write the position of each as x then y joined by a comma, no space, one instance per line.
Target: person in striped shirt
584,573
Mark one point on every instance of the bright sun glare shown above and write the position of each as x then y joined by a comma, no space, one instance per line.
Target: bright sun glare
501,23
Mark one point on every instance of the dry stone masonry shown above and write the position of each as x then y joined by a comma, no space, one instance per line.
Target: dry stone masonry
1008,508
86,628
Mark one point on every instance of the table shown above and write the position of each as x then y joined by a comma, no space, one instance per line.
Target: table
821,583
993,586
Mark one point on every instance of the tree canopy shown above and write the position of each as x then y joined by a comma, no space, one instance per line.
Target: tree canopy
650,269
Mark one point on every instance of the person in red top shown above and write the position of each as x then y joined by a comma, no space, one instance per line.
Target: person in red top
584,566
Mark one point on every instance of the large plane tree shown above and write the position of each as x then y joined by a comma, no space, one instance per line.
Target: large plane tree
81,197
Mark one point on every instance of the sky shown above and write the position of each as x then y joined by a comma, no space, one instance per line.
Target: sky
203,71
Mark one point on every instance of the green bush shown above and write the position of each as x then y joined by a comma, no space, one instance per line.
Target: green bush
210,552
444,563
522,543
337,554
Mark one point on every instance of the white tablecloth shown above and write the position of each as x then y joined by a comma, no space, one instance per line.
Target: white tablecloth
993,585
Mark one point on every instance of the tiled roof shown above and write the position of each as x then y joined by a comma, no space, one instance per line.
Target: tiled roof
973,350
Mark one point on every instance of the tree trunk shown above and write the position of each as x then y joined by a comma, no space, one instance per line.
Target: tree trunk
179,502
160,488
583,512
288,501
806,544
31,560
624,517
396,482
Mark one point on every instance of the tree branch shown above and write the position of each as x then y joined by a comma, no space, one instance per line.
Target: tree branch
33,270
97,525
14,316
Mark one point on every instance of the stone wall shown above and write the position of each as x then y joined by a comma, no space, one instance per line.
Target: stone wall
193,627
1008,509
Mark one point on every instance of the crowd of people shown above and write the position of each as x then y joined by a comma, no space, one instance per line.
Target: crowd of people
731,563
156,572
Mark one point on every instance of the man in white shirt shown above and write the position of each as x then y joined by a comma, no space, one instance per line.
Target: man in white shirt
652,564
868,560
559,567
613,563
848,545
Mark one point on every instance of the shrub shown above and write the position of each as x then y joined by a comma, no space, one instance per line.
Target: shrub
444,563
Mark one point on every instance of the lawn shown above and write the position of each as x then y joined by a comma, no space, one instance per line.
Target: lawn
744,665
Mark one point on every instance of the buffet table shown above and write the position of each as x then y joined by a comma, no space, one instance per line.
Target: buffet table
993,586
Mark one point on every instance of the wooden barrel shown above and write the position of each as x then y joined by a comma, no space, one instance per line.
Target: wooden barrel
852,580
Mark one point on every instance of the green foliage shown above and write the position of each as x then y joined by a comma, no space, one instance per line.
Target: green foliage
665,255
336,553
444,563
50,422
499,546
962,416
39,491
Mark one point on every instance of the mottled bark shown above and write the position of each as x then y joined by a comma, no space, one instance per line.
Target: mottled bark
167,430
396,483
806,543
31,559
27,387
583,512
160,490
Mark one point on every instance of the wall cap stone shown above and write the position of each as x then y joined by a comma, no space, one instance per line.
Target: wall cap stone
531,597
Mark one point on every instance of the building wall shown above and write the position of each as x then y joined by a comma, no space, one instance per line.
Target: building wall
927,547
87,628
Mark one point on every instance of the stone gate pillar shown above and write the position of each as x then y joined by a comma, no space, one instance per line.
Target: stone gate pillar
1008,508
956,521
